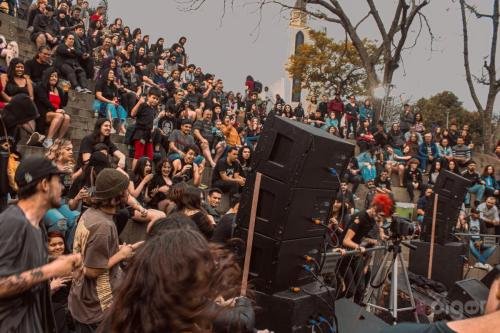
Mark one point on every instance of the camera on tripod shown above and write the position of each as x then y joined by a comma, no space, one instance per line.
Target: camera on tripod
401,227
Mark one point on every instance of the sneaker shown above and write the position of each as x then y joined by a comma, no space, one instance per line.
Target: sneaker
79,89
33,139
87,91
47,143
488,267
480,265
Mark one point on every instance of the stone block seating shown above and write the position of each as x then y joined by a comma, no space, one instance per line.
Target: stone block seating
82,116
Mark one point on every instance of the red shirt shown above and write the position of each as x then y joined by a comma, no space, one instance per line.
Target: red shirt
55,100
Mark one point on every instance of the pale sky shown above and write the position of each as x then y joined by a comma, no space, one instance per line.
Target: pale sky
234,47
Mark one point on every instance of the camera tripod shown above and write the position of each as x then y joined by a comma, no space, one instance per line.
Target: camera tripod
391,260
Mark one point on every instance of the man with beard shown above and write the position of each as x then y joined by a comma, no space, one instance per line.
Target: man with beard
96,239
35,67
24,273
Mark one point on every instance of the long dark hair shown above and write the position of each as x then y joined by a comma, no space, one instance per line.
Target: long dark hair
46,78
244,162
136,32
139,169
104,76
180,275
485,171
96,134
191,199
11,70
159,166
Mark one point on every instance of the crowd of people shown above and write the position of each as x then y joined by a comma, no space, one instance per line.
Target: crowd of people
177,121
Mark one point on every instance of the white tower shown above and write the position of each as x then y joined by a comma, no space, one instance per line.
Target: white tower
298,36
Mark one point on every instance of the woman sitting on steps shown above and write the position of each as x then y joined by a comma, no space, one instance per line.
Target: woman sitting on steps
50,101
16,85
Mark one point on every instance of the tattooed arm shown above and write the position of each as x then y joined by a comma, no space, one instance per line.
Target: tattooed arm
18,283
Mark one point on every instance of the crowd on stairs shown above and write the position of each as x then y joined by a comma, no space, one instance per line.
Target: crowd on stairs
187,156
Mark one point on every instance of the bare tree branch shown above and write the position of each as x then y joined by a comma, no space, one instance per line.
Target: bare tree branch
468,75
473,10
362,20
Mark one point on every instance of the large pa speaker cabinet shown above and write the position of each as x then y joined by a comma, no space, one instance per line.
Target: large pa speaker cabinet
451,186
447,265
451,189
446,219
284,212
301,155
287,311
278,265
469,297
355,319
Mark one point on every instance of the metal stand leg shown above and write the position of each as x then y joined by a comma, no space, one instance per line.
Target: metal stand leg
393,304
381,273
396,260
410,292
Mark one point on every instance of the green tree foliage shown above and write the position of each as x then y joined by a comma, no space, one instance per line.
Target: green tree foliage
325,65
434,110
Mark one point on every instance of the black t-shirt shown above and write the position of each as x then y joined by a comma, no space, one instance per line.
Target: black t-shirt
131,81
194,98
173,107
168,124
35,70
383,183
107,91
362,228
23,248
223,166
145,117
87,146
224,228
323,108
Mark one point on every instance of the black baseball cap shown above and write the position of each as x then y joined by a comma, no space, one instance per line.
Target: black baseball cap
33,168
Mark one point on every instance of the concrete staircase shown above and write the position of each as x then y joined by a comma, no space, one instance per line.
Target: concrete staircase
82,116
79,106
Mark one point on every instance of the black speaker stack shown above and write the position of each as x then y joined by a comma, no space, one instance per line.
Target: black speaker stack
448,255
451,189
447,264
301,167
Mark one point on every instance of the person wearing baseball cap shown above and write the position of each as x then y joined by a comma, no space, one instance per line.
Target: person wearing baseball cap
96,239
24,272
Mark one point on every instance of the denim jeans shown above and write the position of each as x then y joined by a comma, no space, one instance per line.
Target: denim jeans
478,190
108,110
481,254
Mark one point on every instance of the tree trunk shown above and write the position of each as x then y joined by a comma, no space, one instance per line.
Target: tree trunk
487,130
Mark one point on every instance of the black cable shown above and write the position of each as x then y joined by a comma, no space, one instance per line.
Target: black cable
386,275
319,326
323,258
319,297
323,285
